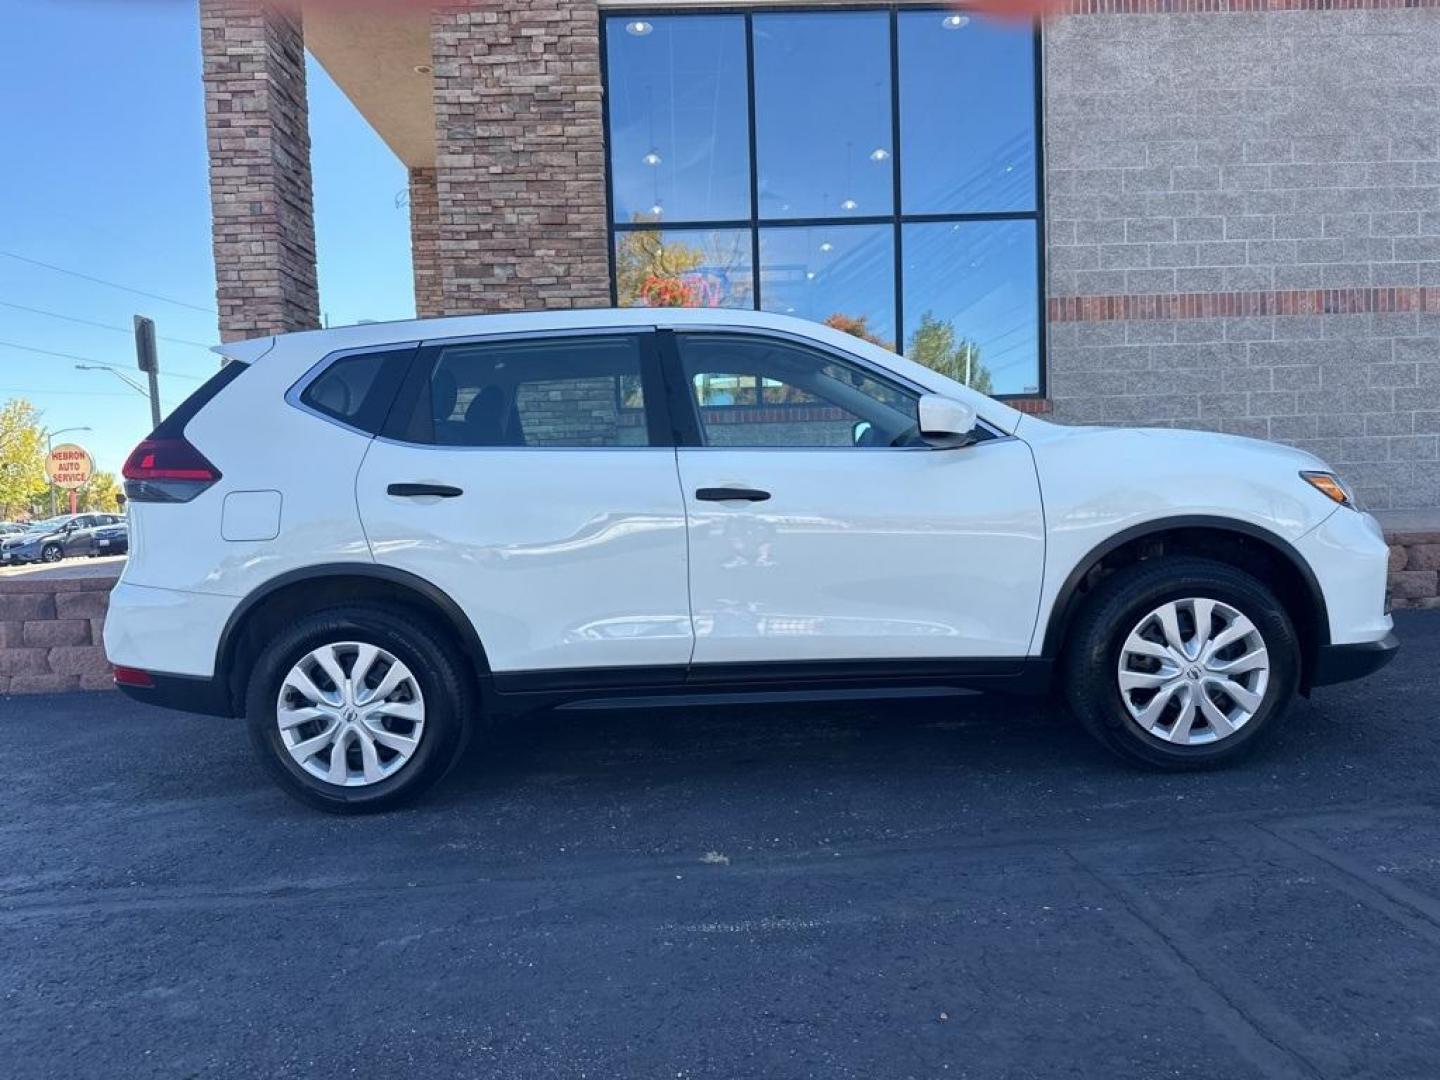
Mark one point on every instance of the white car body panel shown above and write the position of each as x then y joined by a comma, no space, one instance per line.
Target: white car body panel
865,554
578,558
561,558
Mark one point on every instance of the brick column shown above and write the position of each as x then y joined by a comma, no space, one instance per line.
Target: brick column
425,242
259,140
520,156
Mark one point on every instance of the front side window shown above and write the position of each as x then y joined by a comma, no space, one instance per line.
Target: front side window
555,392
873,169
763,392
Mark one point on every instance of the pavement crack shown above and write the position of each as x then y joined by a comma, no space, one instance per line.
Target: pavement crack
1232,1013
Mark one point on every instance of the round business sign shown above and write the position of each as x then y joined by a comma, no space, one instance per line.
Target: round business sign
69,466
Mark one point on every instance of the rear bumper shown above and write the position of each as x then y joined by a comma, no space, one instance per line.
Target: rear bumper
187,693
1342,663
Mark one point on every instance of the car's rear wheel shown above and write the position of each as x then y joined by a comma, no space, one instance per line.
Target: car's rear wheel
358,709
1181,663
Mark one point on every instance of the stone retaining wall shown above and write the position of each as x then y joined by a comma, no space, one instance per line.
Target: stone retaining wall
1414,569
50,634
50,628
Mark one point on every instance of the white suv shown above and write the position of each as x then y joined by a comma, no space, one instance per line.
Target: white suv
373,541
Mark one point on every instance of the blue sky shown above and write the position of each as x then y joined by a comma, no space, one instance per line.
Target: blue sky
106,176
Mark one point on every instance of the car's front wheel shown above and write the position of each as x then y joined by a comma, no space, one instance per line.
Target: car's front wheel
1181,662
51,553
358,709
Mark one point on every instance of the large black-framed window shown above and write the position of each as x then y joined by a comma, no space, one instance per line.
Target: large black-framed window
876,168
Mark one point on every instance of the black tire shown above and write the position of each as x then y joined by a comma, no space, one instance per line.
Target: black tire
443,679
1089,668
52,553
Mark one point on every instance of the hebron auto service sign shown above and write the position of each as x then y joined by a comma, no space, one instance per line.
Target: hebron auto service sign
69,466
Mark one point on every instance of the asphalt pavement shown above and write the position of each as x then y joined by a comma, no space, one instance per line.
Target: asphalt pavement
963,888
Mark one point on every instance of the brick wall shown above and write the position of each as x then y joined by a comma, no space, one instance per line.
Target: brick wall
50,634
1414,580
259,142
1243,213
519,156
425,243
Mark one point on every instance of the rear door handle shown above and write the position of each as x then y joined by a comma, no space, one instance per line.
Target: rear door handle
731,494
444,491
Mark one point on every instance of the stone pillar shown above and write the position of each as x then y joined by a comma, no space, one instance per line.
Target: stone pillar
425,242
259,141
520,156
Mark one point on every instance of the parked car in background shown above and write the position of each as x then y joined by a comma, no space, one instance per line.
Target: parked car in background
497,513
11,528
53,539
112,539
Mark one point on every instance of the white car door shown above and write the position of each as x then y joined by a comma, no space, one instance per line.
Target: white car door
822,528
527,486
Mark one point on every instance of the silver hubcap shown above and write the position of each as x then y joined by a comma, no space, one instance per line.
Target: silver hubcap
1193,671
350,714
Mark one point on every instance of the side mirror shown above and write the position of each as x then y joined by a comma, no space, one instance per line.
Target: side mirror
859,430
945,423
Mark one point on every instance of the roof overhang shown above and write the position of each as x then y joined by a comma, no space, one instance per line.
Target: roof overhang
379,56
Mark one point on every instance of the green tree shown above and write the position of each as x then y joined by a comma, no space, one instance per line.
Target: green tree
100,492
936,345
22,458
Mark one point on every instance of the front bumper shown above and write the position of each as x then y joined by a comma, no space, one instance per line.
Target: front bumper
1342,663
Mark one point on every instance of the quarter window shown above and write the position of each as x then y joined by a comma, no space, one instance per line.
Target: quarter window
760,392
556,392
358,390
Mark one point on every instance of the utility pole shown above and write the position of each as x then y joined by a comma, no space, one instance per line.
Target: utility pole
149,362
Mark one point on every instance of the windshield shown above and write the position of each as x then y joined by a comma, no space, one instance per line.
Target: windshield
49,525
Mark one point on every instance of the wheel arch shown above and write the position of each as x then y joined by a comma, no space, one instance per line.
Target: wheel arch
314,588
1243,545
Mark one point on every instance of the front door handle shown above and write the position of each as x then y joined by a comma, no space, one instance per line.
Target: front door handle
444,491
731,494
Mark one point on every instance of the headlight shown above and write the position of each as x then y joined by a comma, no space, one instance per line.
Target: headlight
1331,486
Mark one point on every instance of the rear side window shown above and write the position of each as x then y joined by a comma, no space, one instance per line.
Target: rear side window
568,391
358,390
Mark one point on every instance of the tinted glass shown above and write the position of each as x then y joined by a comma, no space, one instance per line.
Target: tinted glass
358,390
971,303
841,275
684,268
757,392
679,126
557,392
967,114
822,114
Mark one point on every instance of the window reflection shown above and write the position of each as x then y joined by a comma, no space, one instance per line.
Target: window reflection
841,275
684,268
967,115
971,303
823,102
822,115
679,126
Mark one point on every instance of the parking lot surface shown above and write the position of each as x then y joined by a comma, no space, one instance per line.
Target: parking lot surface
963,888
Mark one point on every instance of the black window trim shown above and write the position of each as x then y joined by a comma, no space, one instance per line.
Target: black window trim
295,395
897,217
685,411
398,429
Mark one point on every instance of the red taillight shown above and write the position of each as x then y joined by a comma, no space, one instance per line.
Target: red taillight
167,471
129,676
168,459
